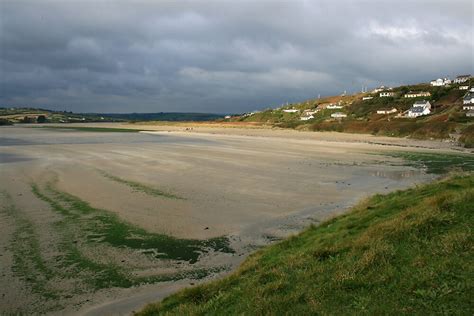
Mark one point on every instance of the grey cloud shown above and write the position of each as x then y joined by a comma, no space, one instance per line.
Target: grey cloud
221,56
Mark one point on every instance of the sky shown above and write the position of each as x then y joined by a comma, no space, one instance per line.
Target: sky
222,56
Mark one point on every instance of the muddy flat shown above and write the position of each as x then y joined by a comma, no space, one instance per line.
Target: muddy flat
95,222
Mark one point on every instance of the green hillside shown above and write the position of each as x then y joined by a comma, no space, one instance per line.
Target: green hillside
447,120
407,252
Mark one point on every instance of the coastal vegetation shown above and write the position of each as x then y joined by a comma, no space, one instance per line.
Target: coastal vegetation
409,251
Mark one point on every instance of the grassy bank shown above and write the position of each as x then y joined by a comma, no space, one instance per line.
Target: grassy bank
406,252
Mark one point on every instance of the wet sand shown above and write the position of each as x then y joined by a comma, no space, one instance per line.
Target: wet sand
253,186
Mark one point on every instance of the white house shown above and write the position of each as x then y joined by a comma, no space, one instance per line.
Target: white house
470,113
306,117
417,94
227,117
462,78
468,98
381,88
387,94
338,115
468,107
367,98
310,111
387,111
440,82
463,87
333,106
291,111
419,108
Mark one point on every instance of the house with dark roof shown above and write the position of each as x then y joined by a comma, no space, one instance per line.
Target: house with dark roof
419,108
468,98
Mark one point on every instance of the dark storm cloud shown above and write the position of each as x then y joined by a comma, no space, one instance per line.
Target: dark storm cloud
222,56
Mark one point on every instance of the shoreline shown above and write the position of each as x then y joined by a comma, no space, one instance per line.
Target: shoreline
187,128
257,187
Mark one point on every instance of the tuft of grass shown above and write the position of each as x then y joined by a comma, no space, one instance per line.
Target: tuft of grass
437,163
140,187
407,252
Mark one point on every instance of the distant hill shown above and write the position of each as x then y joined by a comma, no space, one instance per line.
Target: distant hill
37,115
166,116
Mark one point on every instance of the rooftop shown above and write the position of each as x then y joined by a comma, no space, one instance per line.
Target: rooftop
417,109
423,102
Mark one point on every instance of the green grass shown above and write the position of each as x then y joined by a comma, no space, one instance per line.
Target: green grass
101,226
140,187
82,225
92,129
28,263
437,163
407,252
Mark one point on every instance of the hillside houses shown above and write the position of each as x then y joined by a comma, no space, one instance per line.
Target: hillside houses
463,87
419,108
461,79
291,111
417,94
440,82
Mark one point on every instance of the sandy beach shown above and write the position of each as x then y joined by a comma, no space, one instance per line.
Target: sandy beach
193,183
